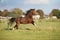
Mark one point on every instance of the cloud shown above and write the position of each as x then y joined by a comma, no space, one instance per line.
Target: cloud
2,1
36,1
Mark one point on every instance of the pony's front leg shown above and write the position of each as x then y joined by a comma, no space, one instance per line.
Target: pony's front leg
35,25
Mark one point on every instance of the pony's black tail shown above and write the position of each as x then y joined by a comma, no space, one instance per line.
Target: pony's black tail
11,21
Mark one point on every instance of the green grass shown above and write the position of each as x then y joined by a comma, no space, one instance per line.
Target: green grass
48,30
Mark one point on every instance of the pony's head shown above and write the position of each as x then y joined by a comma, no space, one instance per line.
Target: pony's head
31,12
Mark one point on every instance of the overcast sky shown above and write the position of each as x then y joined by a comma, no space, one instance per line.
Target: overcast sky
45,5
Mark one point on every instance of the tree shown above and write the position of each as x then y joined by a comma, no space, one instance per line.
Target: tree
41,13
56,12
0,13
5,12
50,15
17,11
11,14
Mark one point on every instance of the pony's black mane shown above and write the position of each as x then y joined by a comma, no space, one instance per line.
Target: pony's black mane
29,11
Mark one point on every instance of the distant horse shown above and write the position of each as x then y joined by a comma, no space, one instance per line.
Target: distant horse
28,19
36,17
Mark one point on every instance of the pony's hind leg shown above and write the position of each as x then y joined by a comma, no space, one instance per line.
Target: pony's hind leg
15,27
9,25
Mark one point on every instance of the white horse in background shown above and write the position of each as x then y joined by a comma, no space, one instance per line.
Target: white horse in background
36,16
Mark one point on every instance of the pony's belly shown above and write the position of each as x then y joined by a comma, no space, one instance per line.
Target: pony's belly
25,22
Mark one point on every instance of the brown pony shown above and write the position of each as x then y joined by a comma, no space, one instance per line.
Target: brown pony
28,19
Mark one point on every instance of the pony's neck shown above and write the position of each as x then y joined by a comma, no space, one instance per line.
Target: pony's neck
29,16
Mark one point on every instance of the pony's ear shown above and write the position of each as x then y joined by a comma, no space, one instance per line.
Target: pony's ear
32,9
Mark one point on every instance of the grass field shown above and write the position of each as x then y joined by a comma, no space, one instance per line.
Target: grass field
47,30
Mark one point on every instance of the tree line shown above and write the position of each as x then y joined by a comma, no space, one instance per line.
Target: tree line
55,12
16,12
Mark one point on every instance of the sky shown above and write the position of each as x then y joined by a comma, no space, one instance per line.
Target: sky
46,5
